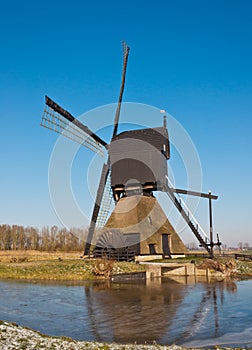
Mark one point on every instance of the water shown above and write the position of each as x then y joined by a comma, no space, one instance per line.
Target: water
167,311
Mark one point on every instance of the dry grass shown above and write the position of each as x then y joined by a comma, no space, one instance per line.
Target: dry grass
35,255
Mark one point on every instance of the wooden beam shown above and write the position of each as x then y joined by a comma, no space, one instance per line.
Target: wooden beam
194,193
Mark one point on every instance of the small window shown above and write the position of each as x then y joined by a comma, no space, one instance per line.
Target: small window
152,249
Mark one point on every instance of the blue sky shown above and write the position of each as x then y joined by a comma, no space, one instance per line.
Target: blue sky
192,58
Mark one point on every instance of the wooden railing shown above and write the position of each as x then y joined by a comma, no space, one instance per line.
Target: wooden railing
244,257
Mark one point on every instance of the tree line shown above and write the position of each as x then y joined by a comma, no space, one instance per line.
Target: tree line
16,237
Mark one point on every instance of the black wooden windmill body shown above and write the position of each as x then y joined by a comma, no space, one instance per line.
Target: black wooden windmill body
136,167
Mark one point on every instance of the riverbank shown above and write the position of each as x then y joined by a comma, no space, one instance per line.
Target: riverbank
13,336
64,270
61,266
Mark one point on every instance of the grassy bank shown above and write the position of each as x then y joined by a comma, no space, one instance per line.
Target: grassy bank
35,265
55,266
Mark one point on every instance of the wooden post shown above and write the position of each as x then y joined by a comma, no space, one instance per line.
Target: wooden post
211,224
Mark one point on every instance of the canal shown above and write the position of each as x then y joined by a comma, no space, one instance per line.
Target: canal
165,311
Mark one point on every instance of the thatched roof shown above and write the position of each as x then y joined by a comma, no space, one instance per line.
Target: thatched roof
144,215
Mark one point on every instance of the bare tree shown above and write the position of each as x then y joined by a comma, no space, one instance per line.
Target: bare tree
246,246
240,245
48,239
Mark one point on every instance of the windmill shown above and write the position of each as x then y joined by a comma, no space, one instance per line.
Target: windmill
135,168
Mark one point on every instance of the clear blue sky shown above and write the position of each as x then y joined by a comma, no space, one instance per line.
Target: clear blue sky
192,58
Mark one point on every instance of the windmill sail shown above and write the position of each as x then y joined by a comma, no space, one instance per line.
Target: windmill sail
97,206
107,200
61,121
125,61
106,168
54,121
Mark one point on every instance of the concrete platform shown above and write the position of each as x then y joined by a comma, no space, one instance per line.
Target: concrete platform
156,269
